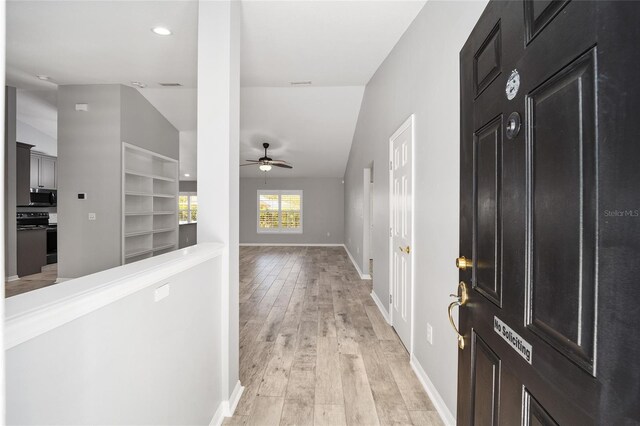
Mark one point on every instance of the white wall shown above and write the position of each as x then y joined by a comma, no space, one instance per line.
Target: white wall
322,210
132,360
218,155
421,76
9,149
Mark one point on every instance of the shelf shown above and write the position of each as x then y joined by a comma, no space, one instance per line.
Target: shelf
135,253
149,175
137,233
164,247
146,194
168,212
139,213
160,231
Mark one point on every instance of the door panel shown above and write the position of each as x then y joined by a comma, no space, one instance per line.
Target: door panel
35,172
486,383
488,228
549,215
561,143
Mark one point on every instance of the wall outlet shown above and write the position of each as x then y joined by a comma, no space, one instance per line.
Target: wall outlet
161,292
92,216
429,333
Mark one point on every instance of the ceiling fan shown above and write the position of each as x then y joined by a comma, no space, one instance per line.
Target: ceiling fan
265,163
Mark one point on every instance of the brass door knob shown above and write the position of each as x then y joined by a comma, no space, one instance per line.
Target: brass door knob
461,300
463,263
405,249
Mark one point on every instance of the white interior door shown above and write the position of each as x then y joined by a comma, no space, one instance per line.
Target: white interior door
401,189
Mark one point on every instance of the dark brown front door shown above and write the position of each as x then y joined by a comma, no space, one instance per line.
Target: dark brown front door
550,206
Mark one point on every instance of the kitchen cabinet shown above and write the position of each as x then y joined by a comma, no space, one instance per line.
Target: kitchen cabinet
31,250
23,157
44,171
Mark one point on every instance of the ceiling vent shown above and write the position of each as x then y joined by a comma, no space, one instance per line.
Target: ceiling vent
300,83
170,84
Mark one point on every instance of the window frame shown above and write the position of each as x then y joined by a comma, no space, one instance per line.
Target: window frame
280,229
187,194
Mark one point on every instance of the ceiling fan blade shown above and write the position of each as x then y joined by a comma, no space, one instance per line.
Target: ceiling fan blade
250,164
285,166
278,162
253,161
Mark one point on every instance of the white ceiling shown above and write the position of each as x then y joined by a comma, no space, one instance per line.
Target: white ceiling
310,127
338,45
332,43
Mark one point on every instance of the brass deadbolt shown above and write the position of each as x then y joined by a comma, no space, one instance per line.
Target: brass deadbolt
463,263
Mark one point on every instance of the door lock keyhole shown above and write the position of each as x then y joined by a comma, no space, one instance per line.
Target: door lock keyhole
513,125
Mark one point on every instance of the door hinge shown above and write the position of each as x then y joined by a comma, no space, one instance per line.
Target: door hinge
391,299
390,165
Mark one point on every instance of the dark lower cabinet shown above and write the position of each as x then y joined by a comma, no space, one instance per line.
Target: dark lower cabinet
32,251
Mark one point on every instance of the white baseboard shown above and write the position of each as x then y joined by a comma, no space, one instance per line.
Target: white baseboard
12,278
234,399
227,408
362,276
381,307
291,244
447,417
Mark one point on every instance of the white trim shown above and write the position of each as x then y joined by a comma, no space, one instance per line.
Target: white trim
234,399
381,307
291,244
31,314
228,407
12,278
362,276
447,416
409,122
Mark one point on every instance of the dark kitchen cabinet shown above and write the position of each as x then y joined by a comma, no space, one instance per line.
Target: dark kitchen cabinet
23,173
32,250
43,171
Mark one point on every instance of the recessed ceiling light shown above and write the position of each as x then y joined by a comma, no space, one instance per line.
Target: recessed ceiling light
138,84
187,175
161,31
43,77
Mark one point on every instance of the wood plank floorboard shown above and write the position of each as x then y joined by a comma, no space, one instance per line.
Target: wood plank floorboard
315,350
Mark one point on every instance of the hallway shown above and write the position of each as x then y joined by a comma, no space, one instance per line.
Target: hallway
314,348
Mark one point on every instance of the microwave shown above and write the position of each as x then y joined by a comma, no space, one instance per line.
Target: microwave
39,197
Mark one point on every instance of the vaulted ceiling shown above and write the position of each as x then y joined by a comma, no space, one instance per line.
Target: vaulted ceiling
337,45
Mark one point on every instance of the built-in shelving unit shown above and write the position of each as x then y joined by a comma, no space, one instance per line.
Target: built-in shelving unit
150,203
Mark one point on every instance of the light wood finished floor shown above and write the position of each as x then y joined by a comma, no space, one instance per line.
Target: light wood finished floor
27,283
315,350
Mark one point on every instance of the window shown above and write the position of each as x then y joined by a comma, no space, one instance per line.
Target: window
280,211
187,207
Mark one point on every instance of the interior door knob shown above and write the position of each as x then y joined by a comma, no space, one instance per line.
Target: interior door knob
406,249
463,263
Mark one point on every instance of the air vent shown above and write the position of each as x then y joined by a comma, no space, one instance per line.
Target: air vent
300,83
170,84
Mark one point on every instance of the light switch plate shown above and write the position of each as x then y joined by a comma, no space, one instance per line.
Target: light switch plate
92,216
429,333
161,292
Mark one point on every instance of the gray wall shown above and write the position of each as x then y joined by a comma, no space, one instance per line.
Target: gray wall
10,242
134,361
322,210
90,161
188,186
143,126
421,76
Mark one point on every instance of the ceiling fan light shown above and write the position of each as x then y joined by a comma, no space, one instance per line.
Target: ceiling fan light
265,167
